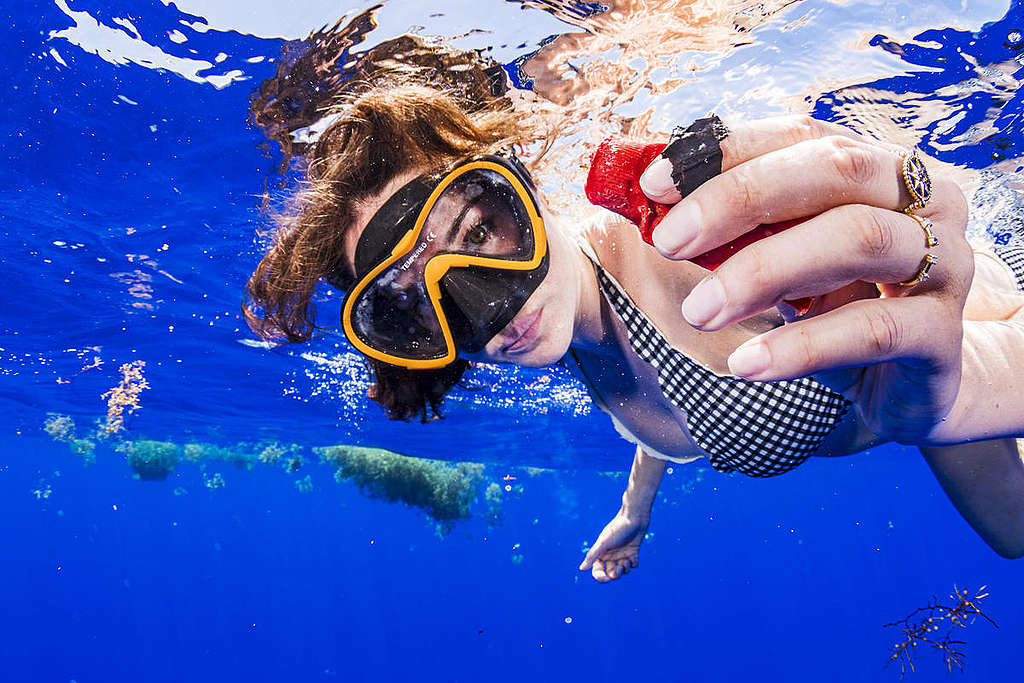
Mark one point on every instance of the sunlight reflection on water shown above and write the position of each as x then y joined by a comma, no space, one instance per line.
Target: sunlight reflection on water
626,66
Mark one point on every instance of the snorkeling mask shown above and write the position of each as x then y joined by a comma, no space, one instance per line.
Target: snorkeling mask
446,264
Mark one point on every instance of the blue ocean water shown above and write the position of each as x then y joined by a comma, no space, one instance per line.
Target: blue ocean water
131,199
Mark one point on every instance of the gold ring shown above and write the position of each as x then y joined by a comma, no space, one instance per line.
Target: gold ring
930,240
922,273
916,180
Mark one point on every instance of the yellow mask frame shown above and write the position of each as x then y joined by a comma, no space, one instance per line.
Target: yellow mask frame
439,265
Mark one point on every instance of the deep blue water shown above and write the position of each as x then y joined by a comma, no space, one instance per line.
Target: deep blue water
130,203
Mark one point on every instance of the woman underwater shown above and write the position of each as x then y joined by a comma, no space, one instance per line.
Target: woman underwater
417,209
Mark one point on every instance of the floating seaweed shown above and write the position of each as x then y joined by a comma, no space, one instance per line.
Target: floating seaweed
151,460
43,490
193,452
59,427
84,449
240,455
62,429
492,495
933,626
444,490
124,397
214,481
271,454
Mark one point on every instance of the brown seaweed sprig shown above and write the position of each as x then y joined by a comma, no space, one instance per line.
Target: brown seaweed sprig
124,397
933,625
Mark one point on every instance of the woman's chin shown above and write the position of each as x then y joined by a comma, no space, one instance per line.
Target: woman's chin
546,353
542,355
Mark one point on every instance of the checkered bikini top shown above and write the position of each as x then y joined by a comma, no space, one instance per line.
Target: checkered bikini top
1014,258
759,429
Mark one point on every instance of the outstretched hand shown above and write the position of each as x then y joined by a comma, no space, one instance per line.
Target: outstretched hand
617,549
897,356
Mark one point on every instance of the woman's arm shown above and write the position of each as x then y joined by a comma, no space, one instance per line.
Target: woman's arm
644,479
990,401
617,548
985,481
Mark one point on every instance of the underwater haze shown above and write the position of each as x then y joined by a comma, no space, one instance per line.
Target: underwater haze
180,501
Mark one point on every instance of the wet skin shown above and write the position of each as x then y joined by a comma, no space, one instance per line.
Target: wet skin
568,310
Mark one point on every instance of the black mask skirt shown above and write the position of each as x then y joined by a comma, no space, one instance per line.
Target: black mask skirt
446,264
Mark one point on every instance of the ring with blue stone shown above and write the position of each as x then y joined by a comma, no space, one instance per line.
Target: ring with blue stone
916,180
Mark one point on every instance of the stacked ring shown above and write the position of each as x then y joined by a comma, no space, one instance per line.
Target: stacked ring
916,179
919,185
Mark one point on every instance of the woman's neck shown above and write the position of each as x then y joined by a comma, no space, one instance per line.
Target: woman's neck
593,326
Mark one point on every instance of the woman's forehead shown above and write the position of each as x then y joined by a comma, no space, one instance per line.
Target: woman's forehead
447,208
367,207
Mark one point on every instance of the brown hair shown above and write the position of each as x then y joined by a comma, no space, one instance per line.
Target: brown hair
393,127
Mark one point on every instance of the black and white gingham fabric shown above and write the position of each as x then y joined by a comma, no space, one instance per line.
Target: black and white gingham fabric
759,429
1013,257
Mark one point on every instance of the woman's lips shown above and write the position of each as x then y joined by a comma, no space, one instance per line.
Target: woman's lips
524,334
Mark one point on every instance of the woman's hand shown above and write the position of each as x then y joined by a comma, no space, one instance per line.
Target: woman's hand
617,549
894,350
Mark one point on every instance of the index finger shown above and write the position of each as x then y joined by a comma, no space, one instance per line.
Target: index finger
743,142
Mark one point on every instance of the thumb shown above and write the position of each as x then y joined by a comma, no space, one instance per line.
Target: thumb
592,555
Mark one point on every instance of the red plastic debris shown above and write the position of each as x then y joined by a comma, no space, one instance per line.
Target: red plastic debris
614,183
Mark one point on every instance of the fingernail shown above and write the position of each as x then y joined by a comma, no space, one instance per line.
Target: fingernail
704,302
677,230
750,359
657,179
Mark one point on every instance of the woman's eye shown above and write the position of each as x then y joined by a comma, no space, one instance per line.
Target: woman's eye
478,234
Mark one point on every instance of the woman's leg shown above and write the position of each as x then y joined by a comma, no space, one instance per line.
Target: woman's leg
985,481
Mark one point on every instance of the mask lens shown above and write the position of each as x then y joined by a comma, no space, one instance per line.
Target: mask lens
482,214
396,315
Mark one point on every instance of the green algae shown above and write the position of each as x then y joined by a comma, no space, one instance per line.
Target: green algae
271,454
443,490
214,481
201,452
84,449
59,427
493,498
151,460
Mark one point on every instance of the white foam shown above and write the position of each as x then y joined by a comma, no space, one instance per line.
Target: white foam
118,47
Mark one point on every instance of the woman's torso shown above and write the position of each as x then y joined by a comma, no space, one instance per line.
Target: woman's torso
629,387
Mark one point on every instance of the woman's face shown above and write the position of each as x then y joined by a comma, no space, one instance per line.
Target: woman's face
542,330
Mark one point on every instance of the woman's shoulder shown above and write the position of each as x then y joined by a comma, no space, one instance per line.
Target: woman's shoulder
657,286
627,258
